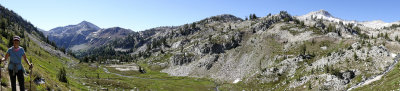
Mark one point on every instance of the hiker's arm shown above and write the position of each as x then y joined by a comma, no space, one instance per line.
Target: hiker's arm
5,58
26,60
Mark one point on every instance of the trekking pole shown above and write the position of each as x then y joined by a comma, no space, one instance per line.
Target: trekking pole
1,87
30,77
30,81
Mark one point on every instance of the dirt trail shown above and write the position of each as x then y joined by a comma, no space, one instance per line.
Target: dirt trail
5,74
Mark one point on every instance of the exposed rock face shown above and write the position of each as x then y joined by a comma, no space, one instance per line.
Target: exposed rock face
348,75
320,24
181,59
104,36
261,52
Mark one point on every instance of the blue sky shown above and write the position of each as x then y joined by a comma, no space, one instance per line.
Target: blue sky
139,15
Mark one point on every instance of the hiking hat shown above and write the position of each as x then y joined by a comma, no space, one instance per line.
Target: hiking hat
16,38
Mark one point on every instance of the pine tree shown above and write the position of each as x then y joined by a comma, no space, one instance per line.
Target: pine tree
387,36
254,16
193,25
251,16
62,75
303,49
327,69
302,23
355,56
186,26
312,42
331,28
10,40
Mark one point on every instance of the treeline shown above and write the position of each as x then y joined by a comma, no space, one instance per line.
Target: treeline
108,52
104,53
393,26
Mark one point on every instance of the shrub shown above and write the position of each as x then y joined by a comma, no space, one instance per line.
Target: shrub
62,75
286,19
303,49
336,72
4,81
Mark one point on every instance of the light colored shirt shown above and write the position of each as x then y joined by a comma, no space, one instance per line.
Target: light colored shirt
15,57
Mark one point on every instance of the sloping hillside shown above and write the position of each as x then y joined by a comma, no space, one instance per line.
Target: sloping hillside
47,59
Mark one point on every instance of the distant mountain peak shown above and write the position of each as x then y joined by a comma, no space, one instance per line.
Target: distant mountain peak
84,21
319,13
88,24
322,14
83,27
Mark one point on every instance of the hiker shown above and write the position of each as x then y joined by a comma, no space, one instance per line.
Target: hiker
15,65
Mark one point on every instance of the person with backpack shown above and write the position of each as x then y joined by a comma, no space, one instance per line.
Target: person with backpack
15,67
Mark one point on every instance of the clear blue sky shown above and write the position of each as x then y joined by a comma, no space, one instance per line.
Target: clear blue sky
139,15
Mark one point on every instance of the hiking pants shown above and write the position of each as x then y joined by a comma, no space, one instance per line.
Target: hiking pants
20,76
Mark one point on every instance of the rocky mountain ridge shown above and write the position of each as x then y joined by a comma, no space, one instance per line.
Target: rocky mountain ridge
84,35
322,14
276,52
